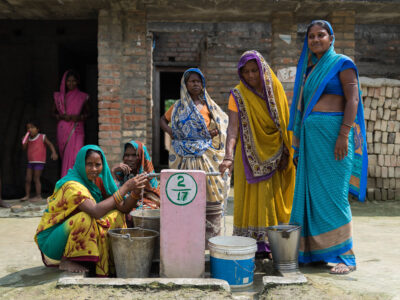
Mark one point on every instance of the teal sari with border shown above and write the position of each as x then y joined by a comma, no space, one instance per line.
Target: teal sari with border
320,203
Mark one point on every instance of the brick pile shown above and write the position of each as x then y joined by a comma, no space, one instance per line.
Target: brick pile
381,99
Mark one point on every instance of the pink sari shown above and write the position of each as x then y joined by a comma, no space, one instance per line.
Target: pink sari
70,135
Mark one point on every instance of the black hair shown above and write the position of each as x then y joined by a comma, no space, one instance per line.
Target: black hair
73,73
34,123
321,23
90,151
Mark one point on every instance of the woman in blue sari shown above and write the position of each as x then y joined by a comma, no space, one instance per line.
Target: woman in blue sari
329,140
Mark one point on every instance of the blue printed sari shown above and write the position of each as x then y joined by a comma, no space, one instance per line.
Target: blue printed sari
320,203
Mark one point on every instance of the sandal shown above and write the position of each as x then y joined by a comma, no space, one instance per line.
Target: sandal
342,269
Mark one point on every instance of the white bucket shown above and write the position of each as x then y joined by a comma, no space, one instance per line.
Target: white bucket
232,259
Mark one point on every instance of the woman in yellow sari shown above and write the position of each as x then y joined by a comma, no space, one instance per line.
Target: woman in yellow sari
261,154
86,203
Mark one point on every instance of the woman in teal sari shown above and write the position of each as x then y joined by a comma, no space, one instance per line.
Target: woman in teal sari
329,140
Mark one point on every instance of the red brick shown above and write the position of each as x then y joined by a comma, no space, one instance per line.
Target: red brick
134,102
107,104
128,110
109,112
140,109
133,118
109,120
108,127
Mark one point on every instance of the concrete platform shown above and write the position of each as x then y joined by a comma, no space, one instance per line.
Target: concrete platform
69,279
285,279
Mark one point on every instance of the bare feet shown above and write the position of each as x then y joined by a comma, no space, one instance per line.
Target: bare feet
36,199
342,269
71,266
4,204
24,198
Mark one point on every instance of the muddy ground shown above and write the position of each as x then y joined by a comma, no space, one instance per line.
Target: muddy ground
376,243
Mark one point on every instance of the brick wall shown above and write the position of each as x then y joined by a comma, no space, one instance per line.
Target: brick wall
377,50
124,85
224,46
177,47
382,114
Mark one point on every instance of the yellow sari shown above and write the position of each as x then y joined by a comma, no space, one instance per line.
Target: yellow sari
66,232
263,194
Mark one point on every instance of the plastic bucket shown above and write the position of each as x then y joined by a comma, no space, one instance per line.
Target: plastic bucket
148,219
284,241
232,259
213,220
132,250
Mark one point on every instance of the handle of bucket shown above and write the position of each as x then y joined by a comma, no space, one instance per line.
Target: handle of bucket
254,268
286,233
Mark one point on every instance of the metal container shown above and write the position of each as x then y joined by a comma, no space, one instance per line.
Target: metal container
284,241
148,219
132,250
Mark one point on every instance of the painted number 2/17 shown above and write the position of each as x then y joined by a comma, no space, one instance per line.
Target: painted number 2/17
181,188
182,193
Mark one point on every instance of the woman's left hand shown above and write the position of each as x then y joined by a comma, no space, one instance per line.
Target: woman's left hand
341,147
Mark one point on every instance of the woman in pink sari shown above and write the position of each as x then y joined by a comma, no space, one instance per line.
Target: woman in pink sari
71,109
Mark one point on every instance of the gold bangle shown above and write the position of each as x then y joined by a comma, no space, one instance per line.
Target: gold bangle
117,197
227,158
344,124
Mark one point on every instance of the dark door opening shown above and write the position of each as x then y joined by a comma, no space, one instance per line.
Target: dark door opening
166,91
35,55
170,83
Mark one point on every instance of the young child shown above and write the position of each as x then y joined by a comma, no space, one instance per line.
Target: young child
36,149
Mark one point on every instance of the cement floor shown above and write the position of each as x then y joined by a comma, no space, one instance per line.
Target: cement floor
376,240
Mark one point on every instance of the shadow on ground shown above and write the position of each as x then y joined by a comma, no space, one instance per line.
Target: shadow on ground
30,277
375,208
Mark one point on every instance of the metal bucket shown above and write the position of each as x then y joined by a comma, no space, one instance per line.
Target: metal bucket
284,241
132,250
148,219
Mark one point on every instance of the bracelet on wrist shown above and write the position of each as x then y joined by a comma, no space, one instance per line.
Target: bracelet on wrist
343,134
117,197
228,158
347,125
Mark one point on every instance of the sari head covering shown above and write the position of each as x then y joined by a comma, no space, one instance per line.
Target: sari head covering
263,137
70,135
308,90
190,134
144,161
78,174
192,145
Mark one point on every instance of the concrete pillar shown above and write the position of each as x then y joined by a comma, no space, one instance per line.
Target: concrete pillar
182,219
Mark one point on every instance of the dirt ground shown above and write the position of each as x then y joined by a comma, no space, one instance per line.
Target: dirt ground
376,243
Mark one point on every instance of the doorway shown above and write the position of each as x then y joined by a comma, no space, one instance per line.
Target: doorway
167,81
35,55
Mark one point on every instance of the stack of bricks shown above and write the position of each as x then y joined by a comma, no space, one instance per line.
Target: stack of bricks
381,99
